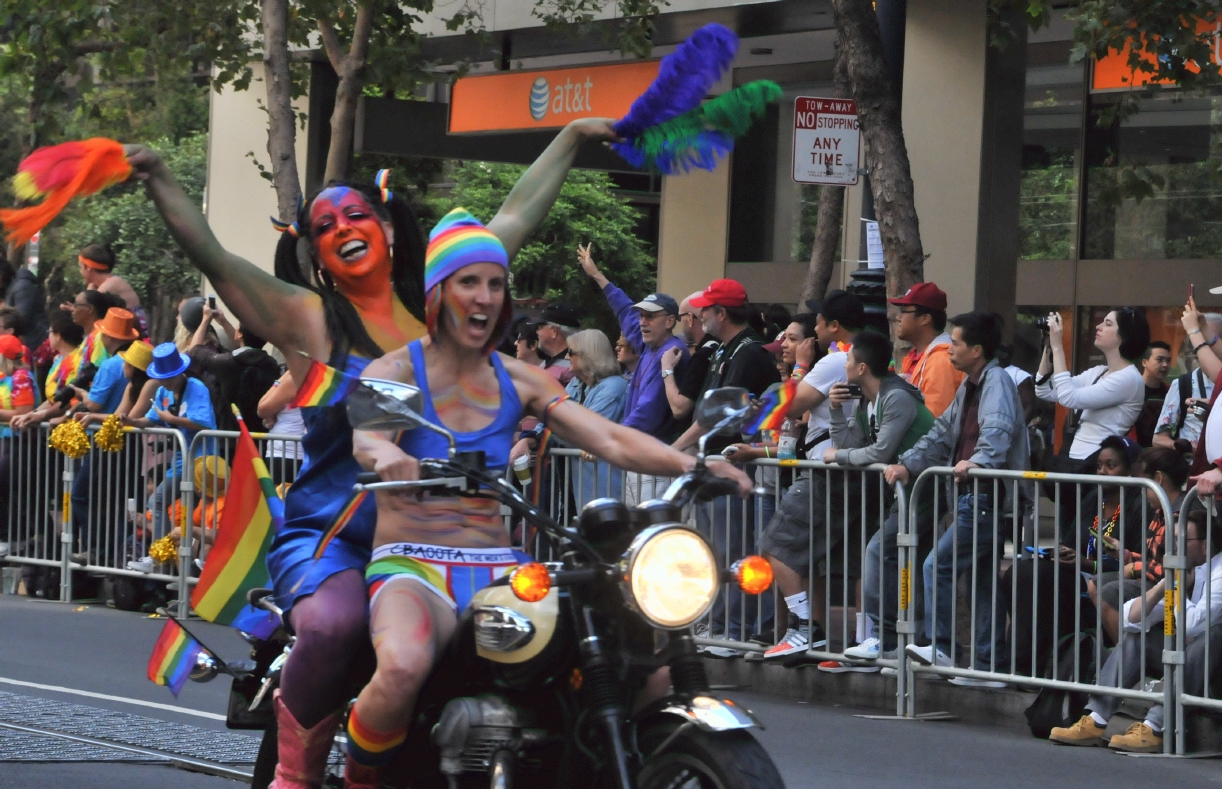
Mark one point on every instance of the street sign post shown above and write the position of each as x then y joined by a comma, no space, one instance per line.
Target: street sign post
826,141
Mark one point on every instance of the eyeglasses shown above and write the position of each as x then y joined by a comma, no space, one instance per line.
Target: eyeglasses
691,315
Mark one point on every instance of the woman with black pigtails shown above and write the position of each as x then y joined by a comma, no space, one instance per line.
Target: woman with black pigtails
348,287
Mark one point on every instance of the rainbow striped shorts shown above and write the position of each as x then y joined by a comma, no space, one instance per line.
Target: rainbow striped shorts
453,574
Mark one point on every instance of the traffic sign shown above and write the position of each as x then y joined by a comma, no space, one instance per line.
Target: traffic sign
826,141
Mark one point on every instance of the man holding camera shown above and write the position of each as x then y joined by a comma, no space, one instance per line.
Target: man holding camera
889,418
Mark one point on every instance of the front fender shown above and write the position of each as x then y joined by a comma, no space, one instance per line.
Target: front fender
706,712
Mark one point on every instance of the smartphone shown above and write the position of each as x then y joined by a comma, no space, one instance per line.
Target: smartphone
854,391
729,451
1191,288
212,302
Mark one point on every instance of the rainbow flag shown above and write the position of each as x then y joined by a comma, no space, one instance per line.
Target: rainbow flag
773,406
173,657
324,386
238,560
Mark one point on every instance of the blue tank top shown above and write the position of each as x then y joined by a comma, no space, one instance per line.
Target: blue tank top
495,440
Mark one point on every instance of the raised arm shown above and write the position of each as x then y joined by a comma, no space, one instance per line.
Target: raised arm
535,192
259,299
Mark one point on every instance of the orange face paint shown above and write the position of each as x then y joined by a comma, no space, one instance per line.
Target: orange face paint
351,243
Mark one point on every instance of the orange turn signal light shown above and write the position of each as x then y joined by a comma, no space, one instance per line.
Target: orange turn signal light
753,573
531,582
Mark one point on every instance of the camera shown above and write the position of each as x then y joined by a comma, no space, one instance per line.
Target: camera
1200,410
1041,323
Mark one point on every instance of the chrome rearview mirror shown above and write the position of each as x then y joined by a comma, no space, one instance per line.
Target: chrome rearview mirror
723,411
379,404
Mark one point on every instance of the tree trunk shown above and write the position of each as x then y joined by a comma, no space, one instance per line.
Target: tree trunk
826,246
282,121
350,68
884,151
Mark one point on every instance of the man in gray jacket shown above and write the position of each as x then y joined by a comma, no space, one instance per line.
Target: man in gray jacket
982,428
890,418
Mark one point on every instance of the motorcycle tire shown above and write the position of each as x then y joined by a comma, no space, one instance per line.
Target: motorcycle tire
269,756
707,760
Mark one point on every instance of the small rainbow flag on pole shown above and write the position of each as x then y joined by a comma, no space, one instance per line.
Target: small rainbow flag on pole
774,405
173,657
238,560
341,520
324,386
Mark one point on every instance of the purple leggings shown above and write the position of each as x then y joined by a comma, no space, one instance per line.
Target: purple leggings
333,656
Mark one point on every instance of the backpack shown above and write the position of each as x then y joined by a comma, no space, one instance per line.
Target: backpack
1055,707
259,372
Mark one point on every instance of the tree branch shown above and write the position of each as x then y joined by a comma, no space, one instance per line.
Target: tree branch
330,42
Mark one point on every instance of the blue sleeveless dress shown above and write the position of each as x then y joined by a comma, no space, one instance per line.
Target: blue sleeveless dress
322,488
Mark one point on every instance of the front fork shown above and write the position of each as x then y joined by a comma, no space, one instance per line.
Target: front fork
602,687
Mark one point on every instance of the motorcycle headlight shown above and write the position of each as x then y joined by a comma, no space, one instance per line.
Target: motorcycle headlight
670,575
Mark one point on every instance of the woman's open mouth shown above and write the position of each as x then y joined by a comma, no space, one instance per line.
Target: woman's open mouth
478,322
351,251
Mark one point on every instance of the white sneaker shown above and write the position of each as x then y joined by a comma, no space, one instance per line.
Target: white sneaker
972,682
4,549
794,641
867,650
144,565
199,563
721,652
887,671
928,656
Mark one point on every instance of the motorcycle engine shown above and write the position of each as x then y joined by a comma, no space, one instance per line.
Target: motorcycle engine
472,730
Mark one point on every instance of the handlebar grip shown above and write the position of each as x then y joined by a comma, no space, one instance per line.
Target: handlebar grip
716,487
367,478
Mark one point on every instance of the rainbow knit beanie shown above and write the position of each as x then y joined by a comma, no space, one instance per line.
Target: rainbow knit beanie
458,240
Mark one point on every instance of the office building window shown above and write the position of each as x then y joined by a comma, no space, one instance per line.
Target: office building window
1052,120
1154,183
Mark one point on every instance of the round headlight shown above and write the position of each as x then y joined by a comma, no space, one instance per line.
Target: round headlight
671,575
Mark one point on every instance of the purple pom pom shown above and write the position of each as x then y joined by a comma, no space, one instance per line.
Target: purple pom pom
684,78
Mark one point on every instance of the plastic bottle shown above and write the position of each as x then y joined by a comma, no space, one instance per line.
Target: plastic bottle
787,442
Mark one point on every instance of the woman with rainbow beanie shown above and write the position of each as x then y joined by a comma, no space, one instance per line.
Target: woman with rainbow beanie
431,554
348,287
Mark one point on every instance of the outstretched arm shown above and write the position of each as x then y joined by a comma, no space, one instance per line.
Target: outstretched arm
258,299
535,192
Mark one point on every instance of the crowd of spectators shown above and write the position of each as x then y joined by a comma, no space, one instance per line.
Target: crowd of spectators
91,358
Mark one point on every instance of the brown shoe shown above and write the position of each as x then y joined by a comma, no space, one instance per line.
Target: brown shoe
1139,738
1084,732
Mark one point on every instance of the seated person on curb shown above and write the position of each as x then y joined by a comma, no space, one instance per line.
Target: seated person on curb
982,428
423,544
1054,589
1125,667
890,419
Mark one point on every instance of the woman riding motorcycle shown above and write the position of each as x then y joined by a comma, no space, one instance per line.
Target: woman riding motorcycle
432,553
363,296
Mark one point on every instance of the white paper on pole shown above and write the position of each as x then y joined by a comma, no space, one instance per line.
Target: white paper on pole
826,140
874,245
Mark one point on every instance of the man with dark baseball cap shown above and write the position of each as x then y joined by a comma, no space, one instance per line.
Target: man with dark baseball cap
648,326
554,326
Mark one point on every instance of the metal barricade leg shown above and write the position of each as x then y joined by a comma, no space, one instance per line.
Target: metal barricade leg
65,535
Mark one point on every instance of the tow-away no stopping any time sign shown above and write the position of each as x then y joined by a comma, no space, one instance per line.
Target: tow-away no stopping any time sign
826,141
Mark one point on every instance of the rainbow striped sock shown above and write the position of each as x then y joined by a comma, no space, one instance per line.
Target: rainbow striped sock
369,747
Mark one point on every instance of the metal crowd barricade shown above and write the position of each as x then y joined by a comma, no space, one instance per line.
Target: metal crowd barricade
283,456
973,549
91,515
1193,660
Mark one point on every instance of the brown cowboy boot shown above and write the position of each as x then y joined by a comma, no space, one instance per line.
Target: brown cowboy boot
302,752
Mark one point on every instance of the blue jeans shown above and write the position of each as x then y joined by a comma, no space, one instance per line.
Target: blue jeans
734,614
968,544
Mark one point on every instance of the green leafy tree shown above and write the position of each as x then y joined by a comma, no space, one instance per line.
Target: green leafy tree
124,218
587,211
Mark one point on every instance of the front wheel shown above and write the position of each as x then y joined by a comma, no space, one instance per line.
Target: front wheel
691,758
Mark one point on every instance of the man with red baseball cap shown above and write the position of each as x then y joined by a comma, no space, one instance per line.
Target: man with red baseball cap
922,322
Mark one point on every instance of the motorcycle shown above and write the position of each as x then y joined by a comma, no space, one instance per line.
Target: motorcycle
542,684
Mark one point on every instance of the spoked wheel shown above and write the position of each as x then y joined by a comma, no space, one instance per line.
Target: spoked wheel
690,758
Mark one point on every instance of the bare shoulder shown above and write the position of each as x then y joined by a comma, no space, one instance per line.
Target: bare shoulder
393,366
535,386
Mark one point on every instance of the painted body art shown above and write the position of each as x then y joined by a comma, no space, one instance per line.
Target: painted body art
466,394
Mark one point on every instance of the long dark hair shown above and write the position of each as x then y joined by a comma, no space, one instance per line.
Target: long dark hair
295,256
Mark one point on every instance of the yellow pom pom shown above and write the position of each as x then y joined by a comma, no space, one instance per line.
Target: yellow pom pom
110,436
71,439
163,551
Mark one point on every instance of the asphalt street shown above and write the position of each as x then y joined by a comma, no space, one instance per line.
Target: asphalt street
74,649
